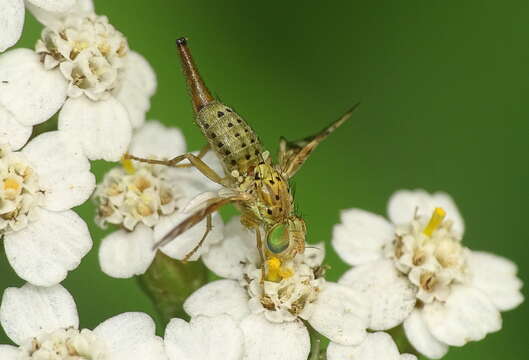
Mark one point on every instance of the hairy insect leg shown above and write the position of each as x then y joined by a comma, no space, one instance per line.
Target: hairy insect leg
194,161
209,227
261,255
203,151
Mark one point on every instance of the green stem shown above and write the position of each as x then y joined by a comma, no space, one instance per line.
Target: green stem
399,336
317,352
169,282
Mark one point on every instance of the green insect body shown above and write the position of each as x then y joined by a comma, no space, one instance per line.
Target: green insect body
232,139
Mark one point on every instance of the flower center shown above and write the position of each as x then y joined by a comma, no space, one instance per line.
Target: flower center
89,52
288,291
129,195
64,344
20,193
276,272
430,254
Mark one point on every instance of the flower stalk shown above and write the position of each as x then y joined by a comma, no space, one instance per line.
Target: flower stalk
168,282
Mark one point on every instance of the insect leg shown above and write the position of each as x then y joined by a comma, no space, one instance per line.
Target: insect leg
211,206
194,161
209,227
200,155
261,255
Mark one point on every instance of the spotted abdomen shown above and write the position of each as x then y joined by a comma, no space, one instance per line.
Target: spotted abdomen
234,141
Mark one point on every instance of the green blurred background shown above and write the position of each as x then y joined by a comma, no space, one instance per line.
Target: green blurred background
444,88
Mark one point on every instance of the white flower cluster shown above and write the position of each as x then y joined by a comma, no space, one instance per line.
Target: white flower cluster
89,52
412,271
43,322
83,68
415,272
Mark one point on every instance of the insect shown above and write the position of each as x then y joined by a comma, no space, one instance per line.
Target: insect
257,186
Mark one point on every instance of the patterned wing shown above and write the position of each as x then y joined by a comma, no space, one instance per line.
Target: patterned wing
293,154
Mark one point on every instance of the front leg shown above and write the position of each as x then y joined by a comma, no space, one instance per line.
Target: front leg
200,155
193,159
261,253
209,227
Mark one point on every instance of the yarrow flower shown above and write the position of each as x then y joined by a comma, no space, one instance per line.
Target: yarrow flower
12,15
270,311
39,185
416,270
44,324
83,67
147,200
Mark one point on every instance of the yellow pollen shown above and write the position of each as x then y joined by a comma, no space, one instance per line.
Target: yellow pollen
11,184
436,220
275,272
80,45
127,165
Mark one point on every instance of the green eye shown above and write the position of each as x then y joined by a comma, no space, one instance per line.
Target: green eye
277,239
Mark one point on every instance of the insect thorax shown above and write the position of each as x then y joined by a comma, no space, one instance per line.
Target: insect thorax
232,139
272,199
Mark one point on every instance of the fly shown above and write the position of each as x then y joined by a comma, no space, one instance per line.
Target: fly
257,186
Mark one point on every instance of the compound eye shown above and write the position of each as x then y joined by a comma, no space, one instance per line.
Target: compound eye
277,239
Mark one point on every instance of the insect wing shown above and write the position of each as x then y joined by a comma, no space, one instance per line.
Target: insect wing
293,154
210,207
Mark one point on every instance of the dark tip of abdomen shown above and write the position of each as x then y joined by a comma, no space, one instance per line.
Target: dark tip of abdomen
181,41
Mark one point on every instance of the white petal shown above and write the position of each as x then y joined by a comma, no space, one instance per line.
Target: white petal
217,298
340,314
204,338
360,236
403,205
496,277
124,254
467,315
140,73
12,132
53,5
408,357
228,258
182,245
48,248
31,93
11,22
390,295
131,336
49,17
84,6
155,139
421,338
151,349
8,352
137,86
314,254
30,311
135,101
376,346
64,172
101,127
265,340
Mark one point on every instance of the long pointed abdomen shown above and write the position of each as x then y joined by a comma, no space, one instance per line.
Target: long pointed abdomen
233,140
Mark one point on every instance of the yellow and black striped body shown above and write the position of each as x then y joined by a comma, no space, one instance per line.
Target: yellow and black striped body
233,140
